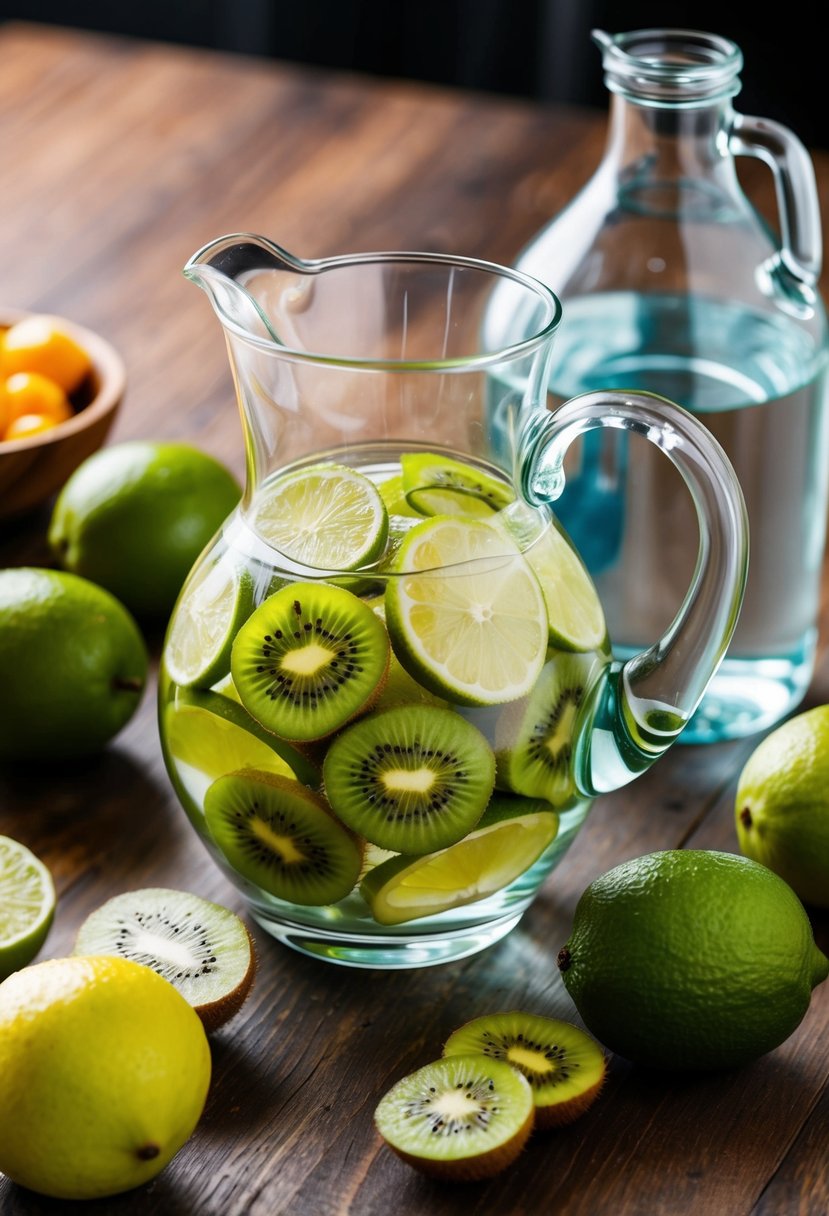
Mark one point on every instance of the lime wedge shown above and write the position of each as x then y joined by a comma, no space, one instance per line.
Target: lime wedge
328,517
438,485
214,735
573,606
27,905
213,606
465,612
510,837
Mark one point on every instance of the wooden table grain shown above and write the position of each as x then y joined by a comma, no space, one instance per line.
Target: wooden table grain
117,160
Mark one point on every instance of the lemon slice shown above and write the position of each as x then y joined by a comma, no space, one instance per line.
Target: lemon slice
438,485
511,837
27,905
213,606
574,610
465,612
208,735
328,517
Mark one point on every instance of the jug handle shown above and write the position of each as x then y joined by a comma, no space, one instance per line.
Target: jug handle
798,261
647,701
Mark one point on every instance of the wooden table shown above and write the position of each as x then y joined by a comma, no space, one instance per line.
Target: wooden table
117,161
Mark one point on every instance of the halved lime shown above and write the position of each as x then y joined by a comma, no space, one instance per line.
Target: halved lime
327,517
213,606
27,905
439,485
510,837
573,606
213,735
465,612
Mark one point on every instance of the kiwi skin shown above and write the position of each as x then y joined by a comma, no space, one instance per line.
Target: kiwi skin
216,1013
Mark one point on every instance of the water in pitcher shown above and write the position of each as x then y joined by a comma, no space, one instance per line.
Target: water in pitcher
759,384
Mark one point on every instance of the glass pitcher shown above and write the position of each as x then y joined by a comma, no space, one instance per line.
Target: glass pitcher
672,283
386,694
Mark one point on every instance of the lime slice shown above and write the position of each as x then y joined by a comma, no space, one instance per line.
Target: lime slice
213,606
465,612
328,517
573,606
438,485
208,735
27,905
393,495
510,837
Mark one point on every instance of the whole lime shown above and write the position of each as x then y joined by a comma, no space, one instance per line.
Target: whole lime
104,1071
782,806
691,959
73,664
134,517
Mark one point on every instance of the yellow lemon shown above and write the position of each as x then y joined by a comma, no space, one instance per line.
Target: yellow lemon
104,1072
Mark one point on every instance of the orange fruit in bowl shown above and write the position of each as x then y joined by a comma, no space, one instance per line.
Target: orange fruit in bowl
38,344
26,425
33,393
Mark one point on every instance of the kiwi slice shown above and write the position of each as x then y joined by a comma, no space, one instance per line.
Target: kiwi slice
439,485
510,837
309,659
412,779
282,837
462,1118
564,1066
202,948
535,737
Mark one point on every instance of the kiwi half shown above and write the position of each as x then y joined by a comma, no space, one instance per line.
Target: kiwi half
282,837
564,1066
202,948
412,779
461,1118
309,659
534,737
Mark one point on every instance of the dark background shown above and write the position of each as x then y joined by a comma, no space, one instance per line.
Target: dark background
525,48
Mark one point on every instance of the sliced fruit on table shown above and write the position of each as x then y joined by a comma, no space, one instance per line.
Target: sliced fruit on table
510,838
574,610
434,484
202,948
412,778
27,905
465,613
213,606
328,517
565,1067
282,837
462,1118
310,658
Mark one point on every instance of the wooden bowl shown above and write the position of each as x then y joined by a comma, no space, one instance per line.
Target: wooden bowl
32,470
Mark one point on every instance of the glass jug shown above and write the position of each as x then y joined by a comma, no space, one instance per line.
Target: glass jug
386,693
672,283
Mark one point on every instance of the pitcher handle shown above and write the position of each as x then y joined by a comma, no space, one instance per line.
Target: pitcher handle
650,698
799,259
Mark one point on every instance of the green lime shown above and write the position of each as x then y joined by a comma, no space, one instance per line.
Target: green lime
439,485
691,959
573,606
327,517
465,613
213,606
135,516
72,664
782,806
27,905
510,837
104,1072
394,497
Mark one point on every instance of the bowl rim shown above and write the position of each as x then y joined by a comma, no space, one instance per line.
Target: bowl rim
108,364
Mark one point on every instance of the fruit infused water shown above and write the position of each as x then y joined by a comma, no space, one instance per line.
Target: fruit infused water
371,695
